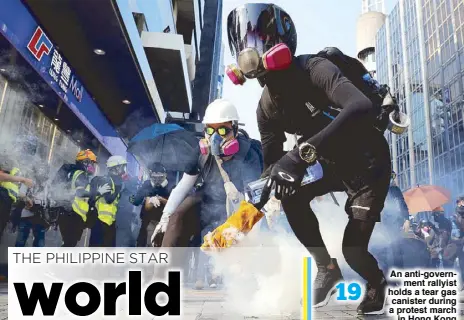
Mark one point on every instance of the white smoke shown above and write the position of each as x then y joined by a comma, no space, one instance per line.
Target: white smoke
263,274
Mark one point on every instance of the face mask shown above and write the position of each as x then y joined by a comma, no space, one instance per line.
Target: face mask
157,179
460,210
251,65
218,146
91,168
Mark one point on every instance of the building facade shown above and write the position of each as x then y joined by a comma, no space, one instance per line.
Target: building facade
221,73
420,55
369,22
77,80
208,67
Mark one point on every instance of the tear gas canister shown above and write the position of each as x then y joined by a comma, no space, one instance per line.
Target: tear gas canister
254,189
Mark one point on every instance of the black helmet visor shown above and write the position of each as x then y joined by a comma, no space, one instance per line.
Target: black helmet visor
260,26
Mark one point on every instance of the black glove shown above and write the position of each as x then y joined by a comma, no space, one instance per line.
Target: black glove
286,176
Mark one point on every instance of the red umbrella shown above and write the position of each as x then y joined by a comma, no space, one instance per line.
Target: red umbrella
426,198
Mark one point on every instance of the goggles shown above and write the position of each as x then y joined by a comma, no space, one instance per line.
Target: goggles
222,131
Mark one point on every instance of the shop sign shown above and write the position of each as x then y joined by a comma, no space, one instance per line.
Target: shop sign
59,69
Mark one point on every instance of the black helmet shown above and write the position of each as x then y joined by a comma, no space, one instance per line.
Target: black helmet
260,26
157,168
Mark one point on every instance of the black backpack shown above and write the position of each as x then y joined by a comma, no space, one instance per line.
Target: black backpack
354,71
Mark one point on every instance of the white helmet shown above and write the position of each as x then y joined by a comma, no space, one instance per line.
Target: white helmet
219,111
114,161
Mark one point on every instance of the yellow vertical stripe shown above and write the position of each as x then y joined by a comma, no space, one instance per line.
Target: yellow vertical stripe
305,288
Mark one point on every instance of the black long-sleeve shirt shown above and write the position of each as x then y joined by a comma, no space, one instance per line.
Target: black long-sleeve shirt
283,107
147,190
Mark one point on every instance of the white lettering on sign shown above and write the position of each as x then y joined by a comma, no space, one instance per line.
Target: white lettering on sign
65,77
76,88
57,61
61,72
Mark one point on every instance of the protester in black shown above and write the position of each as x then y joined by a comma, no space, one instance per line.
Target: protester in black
354,155
153,194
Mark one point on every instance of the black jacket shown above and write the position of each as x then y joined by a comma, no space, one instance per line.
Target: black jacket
147,190
286,107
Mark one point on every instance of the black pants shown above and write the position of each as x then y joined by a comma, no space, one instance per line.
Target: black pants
5,210
366,191
71,228
103,235
147,217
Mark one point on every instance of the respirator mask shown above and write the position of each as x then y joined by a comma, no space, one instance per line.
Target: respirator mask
262,38
252,65
158,179
90,167
217,142
119,171
460,209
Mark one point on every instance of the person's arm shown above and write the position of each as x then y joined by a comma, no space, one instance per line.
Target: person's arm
142,192
81,184
272,135
5,177
179,193
355,106
110,197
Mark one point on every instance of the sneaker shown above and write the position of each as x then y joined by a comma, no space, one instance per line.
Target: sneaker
374,299
199,285
324,285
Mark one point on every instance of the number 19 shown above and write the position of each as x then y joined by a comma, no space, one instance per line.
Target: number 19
353,289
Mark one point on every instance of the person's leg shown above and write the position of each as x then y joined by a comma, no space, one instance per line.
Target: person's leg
96,236
108,235
461,263
305,226
367,192
5,211
142,238
355,250
38,232
71,228
24,228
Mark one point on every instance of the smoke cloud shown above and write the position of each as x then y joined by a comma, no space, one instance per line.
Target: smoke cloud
263,274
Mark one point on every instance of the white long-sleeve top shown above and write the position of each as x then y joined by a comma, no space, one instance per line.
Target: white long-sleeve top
179,193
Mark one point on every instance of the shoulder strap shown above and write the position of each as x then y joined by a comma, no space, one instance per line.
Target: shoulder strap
224,174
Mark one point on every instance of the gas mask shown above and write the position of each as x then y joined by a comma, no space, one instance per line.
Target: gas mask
251,65
460,210
119,171
158,179
218,146
90,167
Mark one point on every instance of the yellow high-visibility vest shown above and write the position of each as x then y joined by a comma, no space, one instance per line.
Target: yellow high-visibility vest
12,187
107,211
80,205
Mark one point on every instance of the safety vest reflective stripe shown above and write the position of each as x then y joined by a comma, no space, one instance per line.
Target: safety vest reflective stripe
80,205
74,178
12,187
107,211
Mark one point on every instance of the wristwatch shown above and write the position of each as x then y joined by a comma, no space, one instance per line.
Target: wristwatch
307,152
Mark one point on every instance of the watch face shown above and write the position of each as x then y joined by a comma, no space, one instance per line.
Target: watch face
308,153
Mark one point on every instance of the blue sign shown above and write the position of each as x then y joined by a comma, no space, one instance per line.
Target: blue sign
19,27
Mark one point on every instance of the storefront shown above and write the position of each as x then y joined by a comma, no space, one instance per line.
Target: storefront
41,95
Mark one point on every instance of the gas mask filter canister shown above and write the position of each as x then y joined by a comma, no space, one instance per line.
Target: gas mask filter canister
251,65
